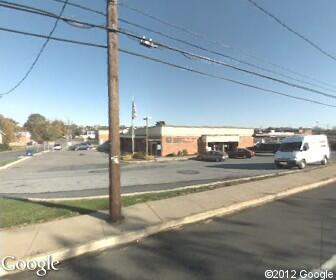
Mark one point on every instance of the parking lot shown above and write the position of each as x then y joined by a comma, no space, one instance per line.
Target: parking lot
85,173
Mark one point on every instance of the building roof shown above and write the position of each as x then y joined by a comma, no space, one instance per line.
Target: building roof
205,126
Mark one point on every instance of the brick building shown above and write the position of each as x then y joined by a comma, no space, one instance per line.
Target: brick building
169,139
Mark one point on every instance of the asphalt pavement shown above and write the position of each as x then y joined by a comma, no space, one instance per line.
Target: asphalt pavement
296,234
85,173
11,155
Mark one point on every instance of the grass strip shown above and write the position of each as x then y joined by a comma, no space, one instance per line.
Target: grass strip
4,162
20,212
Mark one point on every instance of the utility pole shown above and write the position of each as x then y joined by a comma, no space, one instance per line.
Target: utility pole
113,109
146,119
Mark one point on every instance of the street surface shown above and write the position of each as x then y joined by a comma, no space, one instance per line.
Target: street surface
11,155
15,154
85,173
296,233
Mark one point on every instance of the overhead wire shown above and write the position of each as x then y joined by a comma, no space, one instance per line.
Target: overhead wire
218,43
81,7
30,69
194,45
41,12
172,65
220,54
65,40
224,78
197,71
291,30
222,63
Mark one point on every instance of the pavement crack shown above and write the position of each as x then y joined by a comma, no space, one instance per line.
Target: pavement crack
154,212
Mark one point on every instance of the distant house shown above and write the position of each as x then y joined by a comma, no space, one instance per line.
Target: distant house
2,134
21,138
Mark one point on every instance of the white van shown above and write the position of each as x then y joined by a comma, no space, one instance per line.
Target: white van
301,150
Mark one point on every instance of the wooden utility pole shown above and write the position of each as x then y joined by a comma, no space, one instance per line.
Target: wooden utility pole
113,109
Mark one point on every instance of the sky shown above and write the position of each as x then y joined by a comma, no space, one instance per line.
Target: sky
69,82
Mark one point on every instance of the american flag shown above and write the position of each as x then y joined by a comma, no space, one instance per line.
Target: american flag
134,111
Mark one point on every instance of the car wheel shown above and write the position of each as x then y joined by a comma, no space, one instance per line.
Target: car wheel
324,161
217,160
278,165
302,164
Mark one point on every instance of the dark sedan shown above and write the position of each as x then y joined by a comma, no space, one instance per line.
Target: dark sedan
213,156
241,153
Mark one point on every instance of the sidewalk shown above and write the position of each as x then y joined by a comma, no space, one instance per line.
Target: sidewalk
71,237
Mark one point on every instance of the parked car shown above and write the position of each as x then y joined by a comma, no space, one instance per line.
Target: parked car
241,153
265,148
57,147
302,150
29,153
213,156
83,147
105,147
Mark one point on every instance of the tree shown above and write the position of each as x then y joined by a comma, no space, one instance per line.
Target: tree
37,125
42,129
9,127
57,129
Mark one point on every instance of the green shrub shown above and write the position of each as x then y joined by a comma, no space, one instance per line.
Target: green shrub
4,147
127,157
149,157
185,152
139,155
171,155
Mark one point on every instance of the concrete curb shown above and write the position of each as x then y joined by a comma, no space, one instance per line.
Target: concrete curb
13,163
109,242
216,183
21,159
162,159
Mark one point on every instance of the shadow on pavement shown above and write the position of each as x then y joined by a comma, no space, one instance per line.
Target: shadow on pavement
246,166
79,210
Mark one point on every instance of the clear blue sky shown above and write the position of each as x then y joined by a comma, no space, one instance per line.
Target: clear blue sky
69,82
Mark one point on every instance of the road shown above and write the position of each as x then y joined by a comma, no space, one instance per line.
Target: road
11,155
296,233
77,173
15,154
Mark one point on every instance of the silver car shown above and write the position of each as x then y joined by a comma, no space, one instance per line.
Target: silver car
213,156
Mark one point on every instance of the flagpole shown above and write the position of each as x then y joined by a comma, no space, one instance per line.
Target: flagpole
133,116
132,137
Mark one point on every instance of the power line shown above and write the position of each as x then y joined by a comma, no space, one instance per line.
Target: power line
218,53
52,38
81,7
183,41
194,34
290,29
223,78
222,63
169,64
30,69
42,12
45,13
199,35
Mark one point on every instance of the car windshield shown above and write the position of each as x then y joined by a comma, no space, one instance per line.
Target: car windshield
290,147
